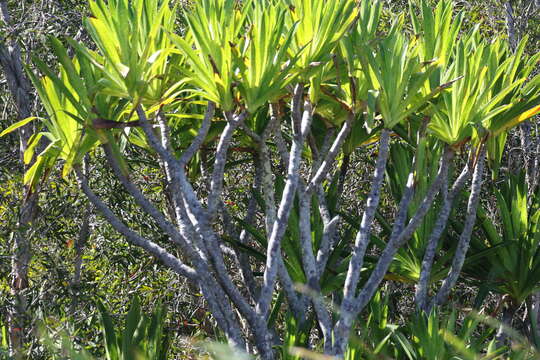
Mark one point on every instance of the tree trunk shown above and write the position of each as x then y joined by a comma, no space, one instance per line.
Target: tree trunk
506,323
10,60
84,235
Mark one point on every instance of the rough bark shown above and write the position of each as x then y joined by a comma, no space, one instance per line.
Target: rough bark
301,123
465,237
510,25
197,220
11,62
330,156
506,322
433,241
310,267
397,239
401,237
80,244
360,246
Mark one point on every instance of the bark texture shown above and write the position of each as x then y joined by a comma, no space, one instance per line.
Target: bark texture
11,62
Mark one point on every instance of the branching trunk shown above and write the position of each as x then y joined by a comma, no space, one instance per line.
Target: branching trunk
386,89
301,124
421,295
397,240
341,330
465,237
195,223
310,267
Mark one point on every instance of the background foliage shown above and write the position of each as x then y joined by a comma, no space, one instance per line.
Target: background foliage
499,276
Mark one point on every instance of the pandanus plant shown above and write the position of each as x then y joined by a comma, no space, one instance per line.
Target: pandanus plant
508,258
142,338
499,95
250,66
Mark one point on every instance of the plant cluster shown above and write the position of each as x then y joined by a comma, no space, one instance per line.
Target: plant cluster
290,91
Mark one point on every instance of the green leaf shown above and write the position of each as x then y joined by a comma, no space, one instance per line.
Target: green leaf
32,143
112,348
132,321
17,125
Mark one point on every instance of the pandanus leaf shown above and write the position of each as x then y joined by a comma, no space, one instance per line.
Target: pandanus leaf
263,61
72,100
17,125
132,39
393,69
437,30
214,28
321,24
508,254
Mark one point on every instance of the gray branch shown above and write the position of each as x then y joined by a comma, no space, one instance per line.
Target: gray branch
362,237
19,87
465,237
273,252
201,135
510,25
343,326
400,238
155,250
433,241
149,208
199,219
310,266
225,141
329,233
331,154
242,261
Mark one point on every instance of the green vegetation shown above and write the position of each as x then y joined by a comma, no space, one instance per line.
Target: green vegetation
273,179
